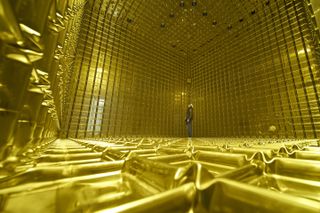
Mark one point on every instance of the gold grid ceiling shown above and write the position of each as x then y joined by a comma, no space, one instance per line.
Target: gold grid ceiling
250,68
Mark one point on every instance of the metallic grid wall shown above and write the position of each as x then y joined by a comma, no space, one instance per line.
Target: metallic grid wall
34,38
261,77
253,73
124,83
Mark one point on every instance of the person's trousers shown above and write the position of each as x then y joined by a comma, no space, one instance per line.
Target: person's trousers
189,129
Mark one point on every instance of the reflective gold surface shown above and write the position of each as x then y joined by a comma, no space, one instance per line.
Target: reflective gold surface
263,72
165,175
93,95
249,68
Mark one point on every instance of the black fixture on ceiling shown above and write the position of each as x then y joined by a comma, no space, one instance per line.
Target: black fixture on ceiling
205,13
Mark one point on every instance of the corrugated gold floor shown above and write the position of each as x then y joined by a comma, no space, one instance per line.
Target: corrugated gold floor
165,175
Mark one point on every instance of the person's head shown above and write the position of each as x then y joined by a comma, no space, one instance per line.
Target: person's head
190,105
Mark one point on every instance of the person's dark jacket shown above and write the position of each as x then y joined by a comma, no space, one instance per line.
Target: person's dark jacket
189,115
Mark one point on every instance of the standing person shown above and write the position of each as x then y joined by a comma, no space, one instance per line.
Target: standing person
188,120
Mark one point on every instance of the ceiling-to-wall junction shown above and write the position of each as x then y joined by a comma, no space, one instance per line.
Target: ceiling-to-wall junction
250,68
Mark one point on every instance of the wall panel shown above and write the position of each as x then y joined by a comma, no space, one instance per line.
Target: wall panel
128,84
260,78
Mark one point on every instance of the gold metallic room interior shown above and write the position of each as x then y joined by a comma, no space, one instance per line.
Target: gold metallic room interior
94,97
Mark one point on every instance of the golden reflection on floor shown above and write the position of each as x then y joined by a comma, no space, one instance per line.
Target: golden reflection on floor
165,175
